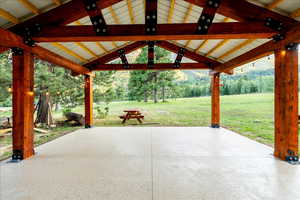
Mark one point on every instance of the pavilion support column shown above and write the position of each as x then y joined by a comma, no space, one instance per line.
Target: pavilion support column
23,99
286,104
215,101
88,91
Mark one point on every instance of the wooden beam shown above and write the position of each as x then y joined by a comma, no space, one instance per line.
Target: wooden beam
3,49
130,10
215,101
116,20
217,46
114,55
186,16
171,11
286,103
136,32
9,39
86,49
236,48
188,54
68,51
27,4
88,100
292,35
157,66
9,17
295,13
61,15
23,97
274,4
57,2
243,10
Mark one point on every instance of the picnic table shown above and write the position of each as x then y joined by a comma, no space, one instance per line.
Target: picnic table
132,114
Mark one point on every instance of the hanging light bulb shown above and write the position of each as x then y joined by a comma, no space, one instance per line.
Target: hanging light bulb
253,64
269,58
9,89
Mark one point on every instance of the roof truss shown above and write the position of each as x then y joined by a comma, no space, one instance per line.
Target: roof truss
137,32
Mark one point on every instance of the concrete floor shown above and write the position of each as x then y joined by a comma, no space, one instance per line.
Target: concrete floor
151,163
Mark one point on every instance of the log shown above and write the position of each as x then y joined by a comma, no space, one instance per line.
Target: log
6,122
71,116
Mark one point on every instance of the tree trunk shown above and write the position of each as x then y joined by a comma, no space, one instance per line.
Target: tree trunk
163,93
44,114
155,88
145,97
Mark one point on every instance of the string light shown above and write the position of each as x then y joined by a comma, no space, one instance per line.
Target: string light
9,89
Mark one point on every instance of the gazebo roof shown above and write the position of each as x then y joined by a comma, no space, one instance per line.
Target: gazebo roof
133,12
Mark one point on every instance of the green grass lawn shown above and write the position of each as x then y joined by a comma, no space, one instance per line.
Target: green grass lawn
250,115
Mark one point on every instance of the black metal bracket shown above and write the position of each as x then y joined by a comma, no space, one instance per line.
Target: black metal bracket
179,57
29,32
277,26
204,23
213,3
215,126
151,50
87,126
17,51
123,58
17,155
96,17
274,24
292,46
292,158
99,25
90,4
151,22
278,37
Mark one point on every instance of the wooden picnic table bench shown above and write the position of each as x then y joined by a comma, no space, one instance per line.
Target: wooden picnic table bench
132,114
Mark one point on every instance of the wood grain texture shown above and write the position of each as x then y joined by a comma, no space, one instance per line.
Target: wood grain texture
157,66
215,100
136,32
286,103
88,100
23,96
9,39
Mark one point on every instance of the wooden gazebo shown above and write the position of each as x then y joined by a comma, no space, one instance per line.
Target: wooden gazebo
86,35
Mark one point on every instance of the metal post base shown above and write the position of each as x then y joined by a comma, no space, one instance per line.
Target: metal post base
87,126
215,126
293,160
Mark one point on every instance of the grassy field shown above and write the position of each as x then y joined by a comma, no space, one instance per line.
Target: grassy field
250,115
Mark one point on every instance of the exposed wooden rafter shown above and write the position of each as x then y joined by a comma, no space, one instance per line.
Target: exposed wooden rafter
27,4
218,46
188,54
205,42
9,39
68,51
61,15
268,48
249,41
136,32
113,55
171,11
116,19
130,11
9,17
57,2
236,48
243,10
185,19
157,66
274,4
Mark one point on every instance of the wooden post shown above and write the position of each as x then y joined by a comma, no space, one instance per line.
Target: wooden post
286,104
23,96
215,101
88,90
